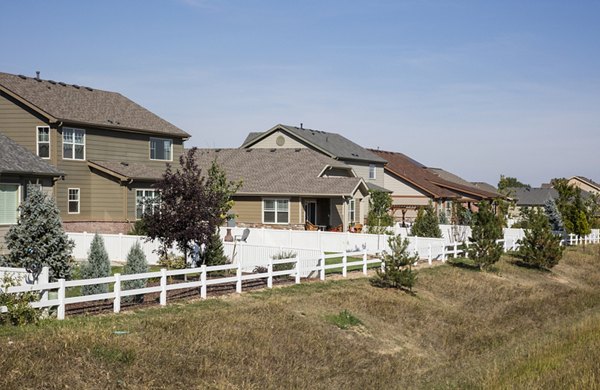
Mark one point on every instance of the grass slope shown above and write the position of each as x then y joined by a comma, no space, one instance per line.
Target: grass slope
513,328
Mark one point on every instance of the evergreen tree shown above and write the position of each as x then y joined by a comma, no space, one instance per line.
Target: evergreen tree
397,271
427,223
553,215
379,217
539,248
484,250
507,182
38,239
97,266
214,253
136,264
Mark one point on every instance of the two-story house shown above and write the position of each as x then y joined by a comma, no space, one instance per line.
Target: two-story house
364,163
85,133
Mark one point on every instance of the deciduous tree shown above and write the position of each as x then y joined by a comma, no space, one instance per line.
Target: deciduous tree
379,217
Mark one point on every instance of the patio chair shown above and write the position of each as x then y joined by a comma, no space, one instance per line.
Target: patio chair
310,226
358,228
244,235
338,228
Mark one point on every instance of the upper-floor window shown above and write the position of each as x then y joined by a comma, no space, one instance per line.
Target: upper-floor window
43,141
73,144
9,204
161,149
276,211
372,172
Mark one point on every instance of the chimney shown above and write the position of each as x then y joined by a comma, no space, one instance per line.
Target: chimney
301,125
37,74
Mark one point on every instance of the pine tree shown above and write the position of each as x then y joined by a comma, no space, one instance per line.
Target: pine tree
484,250
136,264
97,266
540,248
426,223
397,271
553,215
214,253
38,239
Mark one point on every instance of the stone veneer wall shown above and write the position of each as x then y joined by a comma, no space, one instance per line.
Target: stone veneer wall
98,227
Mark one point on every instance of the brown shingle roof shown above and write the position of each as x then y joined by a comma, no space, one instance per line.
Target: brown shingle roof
462,184
129,170
16,159
77,104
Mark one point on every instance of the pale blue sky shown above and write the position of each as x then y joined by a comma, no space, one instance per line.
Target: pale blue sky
479,88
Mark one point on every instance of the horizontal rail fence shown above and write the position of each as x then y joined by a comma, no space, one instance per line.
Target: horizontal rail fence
203,279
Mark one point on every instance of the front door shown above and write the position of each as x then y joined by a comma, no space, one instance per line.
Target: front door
310,210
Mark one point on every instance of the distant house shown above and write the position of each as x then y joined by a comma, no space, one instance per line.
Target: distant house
285,188
18,168
363,162
529,197
414,185
585,184
84,132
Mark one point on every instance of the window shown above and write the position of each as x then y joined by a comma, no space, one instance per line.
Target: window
351,211
161,149
372,172
276,211
73,200
73,144
9,204
43,141
145,202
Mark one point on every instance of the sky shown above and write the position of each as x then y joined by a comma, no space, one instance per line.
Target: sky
479,88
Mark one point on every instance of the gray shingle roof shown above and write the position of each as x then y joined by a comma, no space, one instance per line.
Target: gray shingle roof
16,159
130,170
532,196
334,144
280,171
77,104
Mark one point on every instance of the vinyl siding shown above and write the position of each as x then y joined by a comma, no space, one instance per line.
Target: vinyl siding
400,187
248,209
337,212
270,142
18,124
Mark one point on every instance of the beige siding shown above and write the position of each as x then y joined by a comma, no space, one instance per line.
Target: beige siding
584,186
18,124
400,187
362,170
270,142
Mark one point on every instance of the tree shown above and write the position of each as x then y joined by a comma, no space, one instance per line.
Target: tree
96,266
136,264
554,217
540,248
506,182
213,252
460,214
379,217
575,212
427,223
484,250
397,271
38,239
191,205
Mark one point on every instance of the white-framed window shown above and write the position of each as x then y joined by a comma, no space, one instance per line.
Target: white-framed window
351,211
161,149
43,141
9,203
372,172
276,211
145,201
74,196
73,144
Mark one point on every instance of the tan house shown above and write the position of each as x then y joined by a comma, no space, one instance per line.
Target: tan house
80,131
363,162
18,168
285,188
414,185
586,185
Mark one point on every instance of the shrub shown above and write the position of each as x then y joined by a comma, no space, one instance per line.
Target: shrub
284,255
540,248
172,261
138,228
484,250
426,223
17,304
136,264
97,266
38,238
397,271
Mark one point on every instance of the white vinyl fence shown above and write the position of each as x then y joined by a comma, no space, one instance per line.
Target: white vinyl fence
202,273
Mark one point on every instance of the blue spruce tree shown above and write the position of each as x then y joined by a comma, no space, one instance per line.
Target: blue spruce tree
97,266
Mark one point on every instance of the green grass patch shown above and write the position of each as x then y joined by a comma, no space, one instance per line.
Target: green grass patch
343,320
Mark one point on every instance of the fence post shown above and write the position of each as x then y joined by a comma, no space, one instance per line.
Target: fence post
444,252
238,283
364,259
322,270
455,249
117,291
60,314
382,265
429,258
270,272
44,278
298,270
344,266
163,286
203,281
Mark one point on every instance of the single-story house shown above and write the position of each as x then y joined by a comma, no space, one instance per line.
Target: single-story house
529,197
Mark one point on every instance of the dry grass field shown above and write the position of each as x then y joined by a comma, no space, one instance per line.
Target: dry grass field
511,328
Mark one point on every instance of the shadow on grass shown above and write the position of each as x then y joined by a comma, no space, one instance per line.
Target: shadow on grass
521,263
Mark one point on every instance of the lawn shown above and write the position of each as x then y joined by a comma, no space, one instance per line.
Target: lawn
511,328
350,259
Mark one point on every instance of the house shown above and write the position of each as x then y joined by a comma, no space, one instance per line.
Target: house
18,168
363,162
285,188
586,185
529,197
414,185
83,132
